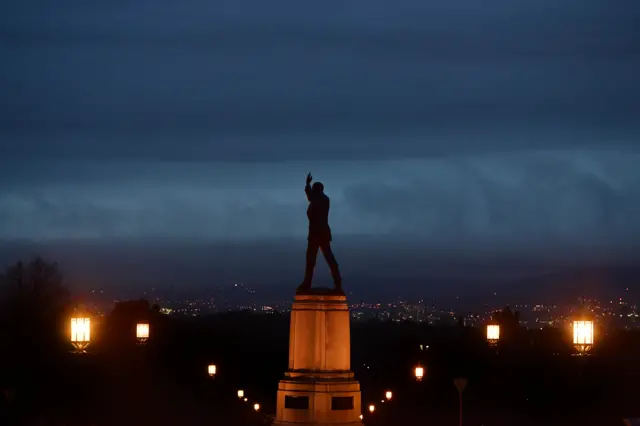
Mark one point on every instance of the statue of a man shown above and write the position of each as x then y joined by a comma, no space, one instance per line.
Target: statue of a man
319,235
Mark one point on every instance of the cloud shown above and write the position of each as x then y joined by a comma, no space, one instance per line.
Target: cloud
537,198
534,202
252,82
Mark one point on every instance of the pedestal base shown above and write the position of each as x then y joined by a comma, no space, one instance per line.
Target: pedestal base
319,389
306,400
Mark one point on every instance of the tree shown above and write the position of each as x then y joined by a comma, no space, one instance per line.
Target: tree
33,300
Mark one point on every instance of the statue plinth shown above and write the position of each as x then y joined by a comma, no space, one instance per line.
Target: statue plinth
319,388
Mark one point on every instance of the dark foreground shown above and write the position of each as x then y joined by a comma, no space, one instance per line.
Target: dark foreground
530,380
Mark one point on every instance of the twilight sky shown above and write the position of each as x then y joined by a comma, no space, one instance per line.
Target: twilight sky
502,126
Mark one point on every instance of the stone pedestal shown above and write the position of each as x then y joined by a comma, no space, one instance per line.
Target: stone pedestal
319,387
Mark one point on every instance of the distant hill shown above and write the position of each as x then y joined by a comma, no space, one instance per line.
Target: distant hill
188,270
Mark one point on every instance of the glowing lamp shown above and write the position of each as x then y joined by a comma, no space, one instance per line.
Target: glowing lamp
419,373
246,399
80,333
142,332
211,369
240,393
256,407
493,334
583,336
360,416
372,408
388,395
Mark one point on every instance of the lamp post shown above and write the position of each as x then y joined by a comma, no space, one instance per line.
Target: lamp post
142,332
240,393
80,334
460,384
583,335
493,334
582,328
212,370
419,373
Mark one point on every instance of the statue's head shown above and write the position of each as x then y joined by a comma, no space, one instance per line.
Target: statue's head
317,188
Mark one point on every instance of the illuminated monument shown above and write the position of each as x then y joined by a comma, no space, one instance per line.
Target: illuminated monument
319,388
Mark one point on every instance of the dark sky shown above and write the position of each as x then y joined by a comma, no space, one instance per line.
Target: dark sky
470,127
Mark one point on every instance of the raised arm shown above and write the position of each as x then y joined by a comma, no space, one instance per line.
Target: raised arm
307,188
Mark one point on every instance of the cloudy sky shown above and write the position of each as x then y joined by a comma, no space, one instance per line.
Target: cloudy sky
473,126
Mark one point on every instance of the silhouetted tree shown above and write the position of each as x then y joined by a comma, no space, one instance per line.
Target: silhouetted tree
32,304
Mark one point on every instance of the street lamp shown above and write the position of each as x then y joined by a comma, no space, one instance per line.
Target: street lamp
460,384
80,334
388,395
372,408
419,373
142,332
583,335
493,334
256,407
211,369
240,393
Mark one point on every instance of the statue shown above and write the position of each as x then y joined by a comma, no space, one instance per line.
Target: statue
319,235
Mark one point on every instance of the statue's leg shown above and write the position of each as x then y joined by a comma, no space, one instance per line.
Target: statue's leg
312,254
333,265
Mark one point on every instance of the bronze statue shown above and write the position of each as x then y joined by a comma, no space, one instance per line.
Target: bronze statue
319,235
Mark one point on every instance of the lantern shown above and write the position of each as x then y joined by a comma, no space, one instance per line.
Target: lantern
583,335
240,393
142,332
372,408
80,333
419,373
493,334
388,395
211,369
256,407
